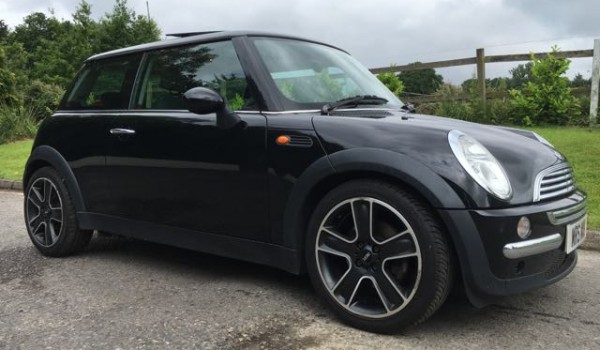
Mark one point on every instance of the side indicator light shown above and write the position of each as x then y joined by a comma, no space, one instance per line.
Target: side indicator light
282,140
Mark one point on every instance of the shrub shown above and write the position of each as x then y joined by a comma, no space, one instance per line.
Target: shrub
16,123
547,98
42,98
392,82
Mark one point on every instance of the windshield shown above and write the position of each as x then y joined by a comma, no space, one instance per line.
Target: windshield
309,75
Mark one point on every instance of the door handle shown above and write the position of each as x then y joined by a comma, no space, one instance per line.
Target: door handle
122,131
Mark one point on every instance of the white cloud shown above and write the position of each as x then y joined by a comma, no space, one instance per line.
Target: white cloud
377,32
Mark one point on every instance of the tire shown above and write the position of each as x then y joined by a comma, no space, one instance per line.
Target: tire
393,272
50,216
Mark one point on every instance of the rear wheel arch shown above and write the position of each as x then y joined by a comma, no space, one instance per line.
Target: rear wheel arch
43,156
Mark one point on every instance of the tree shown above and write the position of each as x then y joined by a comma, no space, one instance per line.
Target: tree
421,81
122,27
579,81
520,75
4,31
546,98
392,82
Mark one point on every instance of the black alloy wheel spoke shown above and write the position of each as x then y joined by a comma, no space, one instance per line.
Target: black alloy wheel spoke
333,241
396,248
56,214
362,211
391,294
346,287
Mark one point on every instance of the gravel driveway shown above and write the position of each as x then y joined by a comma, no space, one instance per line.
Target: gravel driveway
124,294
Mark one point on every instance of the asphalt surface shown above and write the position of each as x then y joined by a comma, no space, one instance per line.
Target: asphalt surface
123,294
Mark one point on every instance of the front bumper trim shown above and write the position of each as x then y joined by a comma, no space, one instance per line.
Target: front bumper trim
530,247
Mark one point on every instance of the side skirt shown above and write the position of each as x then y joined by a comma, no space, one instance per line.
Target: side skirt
237,248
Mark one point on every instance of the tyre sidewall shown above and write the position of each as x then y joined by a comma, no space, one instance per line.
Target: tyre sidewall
405,204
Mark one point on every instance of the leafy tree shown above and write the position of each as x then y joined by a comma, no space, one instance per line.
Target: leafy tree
122,27
421,81
4,31
579,81
392,82
520,75
547,98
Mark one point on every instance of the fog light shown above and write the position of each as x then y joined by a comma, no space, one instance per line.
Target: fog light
524,227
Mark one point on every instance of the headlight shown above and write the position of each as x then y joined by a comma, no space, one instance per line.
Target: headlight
542,140
480,164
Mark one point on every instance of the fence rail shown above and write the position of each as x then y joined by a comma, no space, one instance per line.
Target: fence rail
480,60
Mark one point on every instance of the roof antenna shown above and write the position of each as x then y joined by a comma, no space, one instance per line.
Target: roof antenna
148,9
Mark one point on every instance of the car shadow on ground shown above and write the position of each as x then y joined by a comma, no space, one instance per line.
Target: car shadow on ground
199,265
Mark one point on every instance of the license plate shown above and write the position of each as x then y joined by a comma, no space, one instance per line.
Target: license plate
575,234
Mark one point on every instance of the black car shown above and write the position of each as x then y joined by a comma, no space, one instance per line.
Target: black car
287,152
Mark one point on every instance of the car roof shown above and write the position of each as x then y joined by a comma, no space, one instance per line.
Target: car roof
193,38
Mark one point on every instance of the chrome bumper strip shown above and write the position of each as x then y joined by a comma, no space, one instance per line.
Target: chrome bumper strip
532,247
563,216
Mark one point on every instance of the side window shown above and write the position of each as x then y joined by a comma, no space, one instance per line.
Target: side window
169,73
104,84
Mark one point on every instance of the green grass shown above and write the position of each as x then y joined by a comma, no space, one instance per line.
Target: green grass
581,146
12,159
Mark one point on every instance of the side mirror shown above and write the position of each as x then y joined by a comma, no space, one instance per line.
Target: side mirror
409,107
201,100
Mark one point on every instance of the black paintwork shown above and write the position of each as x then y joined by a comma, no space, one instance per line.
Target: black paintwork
182,179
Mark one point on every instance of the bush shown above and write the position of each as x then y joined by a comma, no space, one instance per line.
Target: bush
16,123
392,82
546,98
42,98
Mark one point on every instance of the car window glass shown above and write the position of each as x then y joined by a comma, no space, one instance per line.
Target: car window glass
309,74
105,84
169,73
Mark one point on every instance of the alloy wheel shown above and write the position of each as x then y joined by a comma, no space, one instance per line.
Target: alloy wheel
44,212
368,257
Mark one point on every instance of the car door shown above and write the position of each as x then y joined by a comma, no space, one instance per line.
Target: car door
168,166
79,129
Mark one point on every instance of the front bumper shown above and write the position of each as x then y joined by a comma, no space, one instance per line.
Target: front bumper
496,262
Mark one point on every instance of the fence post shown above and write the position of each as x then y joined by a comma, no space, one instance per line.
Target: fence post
481,76
595,84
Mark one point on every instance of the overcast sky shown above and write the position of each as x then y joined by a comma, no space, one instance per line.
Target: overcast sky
378,32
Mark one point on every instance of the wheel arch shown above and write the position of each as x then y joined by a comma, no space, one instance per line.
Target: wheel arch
44,155
329,172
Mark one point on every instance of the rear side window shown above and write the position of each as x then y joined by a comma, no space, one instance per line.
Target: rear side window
104,84
169,73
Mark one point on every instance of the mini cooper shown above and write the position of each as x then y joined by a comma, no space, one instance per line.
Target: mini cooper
287,152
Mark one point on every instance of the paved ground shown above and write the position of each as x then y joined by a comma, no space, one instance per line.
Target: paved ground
124,294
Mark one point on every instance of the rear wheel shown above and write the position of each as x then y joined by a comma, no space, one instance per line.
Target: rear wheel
50,215
378,256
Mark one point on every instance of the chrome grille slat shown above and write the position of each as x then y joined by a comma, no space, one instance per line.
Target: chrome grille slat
548,180
553,182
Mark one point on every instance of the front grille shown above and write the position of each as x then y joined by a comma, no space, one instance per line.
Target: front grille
554,182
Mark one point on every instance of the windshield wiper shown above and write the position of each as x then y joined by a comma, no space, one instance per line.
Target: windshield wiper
353,101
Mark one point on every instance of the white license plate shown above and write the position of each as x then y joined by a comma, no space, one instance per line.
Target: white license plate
575,234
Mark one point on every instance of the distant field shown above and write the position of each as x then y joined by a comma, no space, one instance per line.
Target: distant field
581,146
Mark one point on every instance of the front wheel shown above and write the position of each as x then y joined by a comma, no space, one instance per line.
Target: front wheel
378,256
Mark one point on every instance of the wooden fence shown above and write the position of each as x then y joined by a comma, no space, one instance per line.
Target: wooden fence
481,60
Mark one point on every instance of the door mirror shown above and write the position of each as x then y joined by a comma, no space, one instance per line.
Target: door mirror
201,100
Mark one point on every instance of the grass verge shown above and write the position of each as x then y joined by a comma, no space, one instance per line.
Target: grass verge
12,159
581,146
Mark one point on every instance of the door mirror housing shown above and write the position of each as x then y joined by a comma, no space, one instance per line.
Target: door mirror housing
202,100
